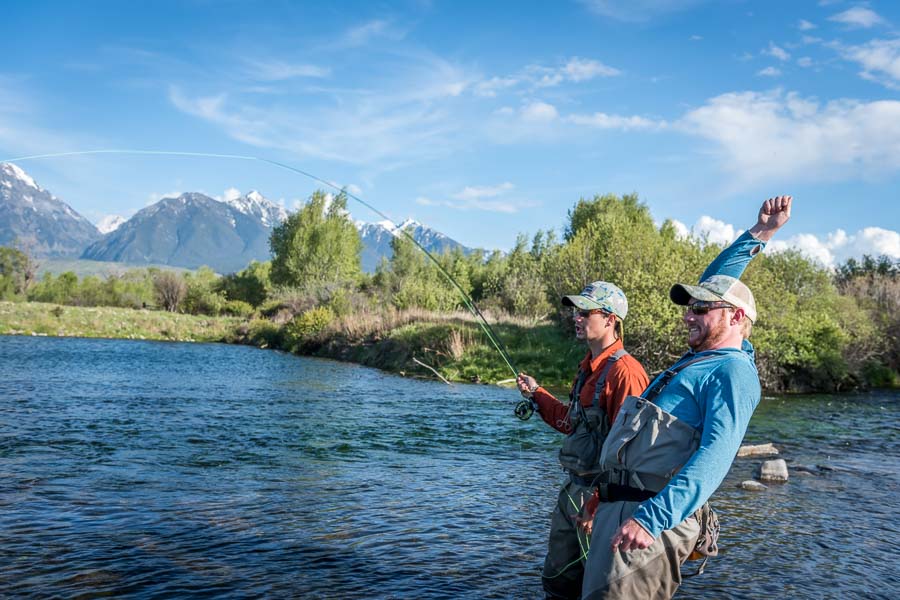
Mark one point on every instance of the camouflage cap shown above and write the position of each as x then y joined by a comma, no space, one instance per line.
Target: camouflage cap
717,288
602,295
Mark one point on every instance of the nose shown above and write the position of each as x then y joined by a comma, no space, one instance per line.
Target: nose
689,316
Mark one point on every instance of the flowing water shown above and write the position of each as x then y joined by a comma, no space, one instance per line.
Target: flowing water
158,470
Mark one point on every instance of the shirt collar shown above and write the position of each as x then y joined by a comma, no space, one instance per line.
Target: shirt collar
592,365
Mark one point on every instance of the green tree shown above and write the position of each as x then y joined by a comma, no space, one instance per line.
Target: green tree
17,273
410,279
316,247
252,285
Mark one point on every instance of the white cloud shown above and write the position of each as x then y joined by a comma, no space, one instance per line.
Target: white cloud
638,10
695,38
491,87
364,34
484,198
578,69
277,70
769,72
478,192
805,25
681,230
805,62
231,194
778,136
858,16
776,52
396,116
838,246
575,70
714,231
878,58
539,111
604,121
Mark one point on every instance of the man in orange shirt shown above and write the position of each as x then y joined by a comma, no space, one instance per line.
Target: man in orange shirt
606,376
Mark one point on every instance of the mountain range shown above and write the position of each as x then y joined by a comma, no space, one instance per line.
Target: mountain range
188,231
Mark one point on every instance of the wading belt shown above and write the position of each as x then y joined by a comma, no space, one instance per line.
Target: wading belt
613,492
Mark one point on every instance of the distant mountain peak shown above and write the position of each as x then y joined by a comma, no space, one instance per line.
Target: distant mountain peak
255,204
11,170
32,216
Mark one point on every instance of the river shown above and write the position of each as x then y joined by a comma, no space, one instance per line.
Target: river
163,470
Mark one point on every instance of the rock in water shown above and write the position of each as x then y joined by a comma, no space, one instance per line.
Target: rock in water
774,470
753,486
758,450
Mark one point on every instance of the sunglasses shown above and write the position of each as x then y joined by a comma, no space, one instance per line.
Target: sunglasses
701,307
584,314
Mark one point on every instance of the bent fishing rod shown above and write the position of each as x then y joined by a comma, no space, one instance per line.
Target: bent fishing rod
524,408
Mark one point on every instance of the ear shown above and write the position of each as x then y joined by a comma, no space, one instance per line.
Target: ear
737,316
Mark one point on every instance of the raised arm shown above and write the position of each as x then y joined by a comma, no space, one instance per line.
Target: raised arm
732,261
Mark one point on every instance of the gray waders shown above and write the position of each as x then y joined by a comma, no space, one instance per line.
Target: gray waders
646,446
580,456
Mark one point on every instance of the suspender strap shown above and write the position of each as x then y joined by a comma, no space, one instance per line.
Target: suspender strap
663,380
601,381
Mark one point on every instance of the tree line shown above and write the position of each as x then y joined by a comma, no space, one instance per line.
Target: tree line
818,329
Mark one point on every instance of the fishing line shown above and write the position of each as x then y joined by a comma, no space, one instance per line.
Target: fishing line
523,410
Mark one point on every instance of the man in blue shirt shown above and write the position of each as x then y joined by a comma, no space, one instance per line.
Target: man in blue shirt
680,437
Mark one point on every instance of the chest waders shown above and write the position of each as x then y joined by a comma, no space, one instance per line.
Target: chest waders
646,446
580,451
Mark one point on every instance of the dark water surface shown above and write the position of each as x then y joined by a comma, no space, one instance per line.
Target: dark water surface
156,470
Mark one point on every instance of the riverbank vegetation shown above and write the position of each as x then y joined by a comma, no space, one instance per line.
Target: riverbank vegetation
818,329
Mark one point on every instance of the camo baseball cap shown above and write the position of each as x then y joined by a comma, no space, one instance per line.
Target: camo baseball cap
602,295
717,288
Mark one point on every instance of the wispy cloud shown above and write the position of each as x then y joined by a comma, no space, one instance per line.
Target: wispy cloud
638,10
769,72
805,25
539,111
409,116
575,70
880,60
805,62
484,191
484,198
776,52
361,35
774,136
625,123
277,70
858,16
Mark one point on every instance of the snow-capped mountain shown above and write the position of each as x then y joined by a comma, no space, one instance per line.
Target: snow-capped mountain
376,240
110,223
37,221
193,230
255,205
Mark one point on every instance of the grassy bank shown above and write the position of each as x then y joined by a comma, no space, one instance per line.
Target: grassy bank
451,343
38,318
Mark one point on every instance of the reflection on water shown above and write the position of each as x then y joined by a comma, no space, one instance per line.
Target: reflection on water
170,470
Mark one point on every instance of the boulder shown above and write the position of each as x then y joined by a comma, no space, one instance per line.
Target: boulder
773,470
758,450
752,486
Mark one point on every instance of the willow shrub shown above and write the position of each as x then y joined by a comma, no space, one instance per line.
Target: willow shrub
621,244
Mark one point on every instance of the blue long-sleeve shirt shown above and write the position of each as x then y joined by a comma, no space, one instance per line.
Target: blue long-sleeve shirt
717,397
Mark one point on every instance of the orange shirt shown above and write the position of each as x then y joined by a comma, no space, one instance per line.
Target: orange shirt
626,377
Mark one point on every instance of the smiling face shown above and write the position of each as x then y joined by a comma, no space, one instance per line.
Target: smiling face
711,330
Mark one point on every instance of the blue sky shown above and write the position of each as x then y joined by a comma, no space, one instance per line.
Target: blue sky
482,120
